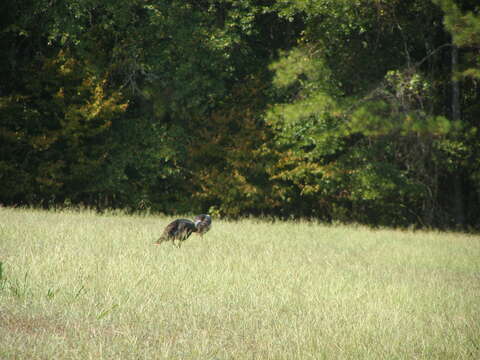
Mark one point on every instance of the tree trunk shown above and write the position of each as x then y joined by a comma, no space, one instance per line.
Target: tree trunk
457,180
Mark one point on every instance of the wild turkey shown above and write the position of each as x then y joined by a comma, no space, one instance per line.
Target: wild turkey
181,229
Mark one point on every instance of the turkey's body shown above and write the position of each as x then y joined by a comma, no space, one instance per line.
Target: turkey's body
181,229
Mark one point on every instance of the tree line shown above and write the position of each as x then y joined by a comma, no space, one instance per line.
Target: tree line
349,110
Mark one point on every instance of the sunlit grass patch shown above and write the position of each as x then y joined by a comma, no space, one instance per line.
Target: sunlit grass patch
80,285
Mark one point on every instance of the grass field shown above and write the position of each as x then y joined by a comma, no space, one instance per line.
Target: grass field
77,285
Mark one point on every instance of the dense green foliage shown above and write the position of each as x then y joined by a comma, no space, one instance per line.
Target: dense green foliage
349,110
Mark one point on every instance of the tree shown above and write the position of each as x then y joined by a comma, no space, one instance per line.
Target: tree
362,142
462,20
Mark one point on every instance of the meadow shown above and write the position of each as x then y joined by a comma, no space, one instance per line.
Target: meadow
78,285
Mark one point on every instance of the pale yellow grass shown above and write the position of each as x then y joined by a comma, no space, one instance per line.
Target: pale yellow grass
84,286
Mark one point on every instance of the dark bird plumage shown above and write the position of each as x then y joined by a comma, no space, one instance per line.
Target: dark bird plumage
181,229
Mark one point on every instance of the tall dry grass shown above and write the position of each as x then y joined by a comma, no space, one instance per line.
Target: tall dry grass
77,285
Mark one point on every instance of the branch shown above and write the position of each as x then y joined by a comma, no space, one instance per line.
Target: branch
431,54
